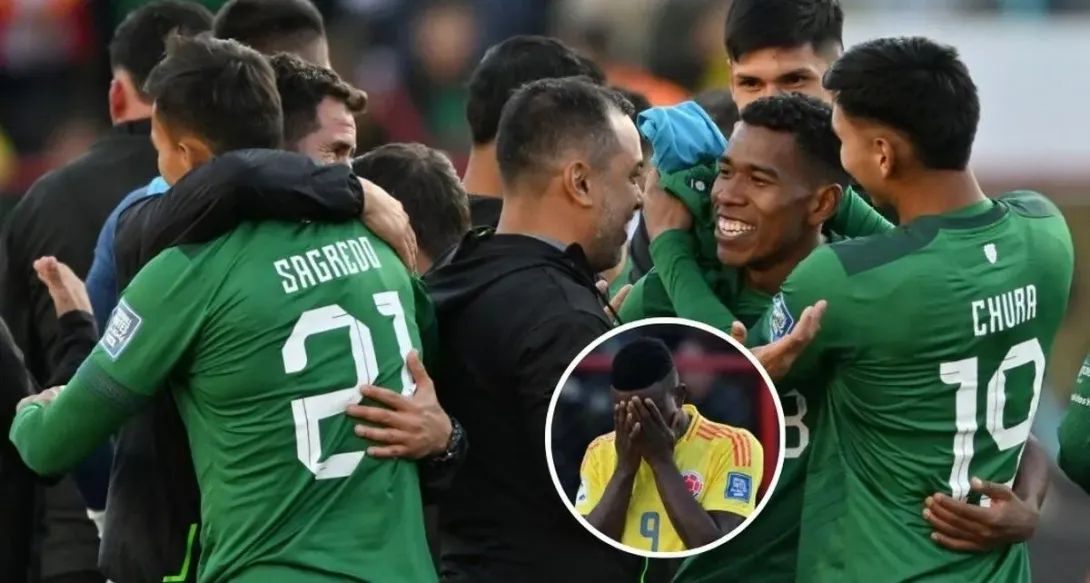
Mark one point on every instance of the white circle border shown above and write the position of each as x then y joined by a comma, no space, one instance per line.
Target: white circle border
769,385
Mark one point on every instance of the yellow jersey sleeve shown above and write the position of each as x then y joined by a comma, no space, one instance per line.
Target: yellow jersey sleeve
593,475
738,467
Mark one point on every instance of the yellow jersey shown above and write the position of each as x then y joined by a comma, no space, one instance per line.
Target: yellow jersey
721,465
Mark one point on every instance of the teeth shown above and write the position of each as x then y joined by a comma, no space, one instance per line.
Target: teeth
732,227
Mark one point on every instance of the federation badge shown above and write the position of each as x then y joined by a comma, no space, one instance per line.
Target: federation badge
694,482
781,322
124,322
739,487
581,496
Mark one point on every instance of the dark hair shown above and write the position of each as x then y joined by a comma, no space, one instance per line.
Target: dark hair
753,25
916,86
639,101
425,182
220,90
139,41
811,122
270,26
512,64
720,107
640,364
302,87
544,118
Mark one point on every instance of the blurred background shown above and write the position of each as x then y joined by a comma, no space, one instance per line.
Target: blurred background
723,385
1030,59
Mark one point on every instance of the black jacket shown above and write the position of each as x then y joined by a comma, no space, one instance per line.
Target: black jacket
513,312
484,211
20,488
61,215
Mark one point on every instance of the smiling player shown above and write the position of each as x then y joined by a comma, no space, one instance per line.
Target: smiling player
667,479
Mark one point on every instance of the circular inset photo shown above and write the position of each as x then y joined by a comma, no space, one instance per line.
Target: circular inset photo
664,438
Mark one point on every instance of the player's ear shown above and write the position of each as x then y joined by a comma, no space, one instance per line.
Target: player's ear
824,203
194,151
885,156
577,179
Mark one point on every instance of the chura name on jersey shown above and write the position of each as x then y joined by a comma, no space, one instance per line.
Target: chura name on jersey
1004,311
326,263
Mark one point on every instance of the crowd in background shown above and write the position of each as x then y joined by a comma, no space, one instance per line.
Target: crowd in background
720,382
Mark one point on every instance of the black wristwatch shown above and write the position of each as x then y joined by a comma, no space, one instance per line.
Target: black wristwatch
456,445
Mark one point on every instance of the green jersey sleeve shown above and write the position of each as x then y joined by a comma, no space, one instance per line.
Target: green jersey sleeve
155,322
856,218
690,294
148,333
820,276
1074,456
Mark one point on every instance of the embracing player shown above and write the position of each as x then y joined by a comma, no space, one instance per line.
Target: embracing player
947,393
265,336
1074,457
644,483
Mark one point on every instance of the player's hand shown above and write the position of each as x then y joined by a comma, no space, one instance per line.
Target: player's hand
68,292
777,358
412,427
738,332
961,526
656,440
44,398
662,211
618,299
386,217
627,430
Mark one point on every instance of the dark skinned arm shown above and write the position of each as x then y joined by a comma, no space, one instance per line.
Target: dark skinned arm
608,517
695,526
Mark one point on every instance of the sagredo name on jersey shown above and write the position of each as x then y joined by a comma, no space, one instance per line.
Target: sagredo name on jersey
326,263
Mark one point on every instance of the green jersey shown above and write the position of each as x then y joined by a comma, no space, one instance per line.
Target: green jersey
264,336
1075,432
936,335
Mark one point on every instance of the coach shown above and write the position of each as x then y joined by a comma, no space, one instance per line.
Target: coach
515,306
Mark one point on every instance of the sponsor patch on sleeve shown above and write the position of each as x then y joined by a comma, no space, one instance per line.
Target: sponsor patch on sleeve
123,324
581,497
781,322
739,487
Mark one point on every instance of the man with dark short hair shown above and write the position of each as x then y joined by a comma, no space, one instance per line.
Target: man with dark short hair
61,216
320,109
570,163
275,507
661,510
275,26
992,276
425,182
774,47
503,69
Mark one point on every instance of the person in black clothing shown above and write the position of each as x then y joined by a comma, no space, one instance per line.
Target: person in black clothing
504,68
514,308
61,216
18,484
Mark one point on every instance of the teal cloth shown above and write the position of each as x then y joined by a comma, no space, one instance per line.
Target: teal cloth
682,136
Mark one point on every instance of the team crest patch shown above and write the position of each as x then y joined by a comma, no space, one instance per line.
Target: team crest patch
698,185
781,322
124,322
739,487
694,482
581,497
